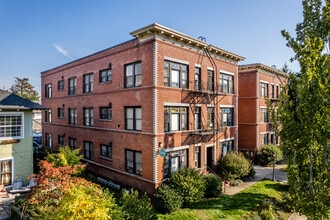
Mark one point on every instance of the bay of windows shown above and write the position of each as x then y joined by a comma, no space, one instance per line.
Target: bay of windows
175,118
175,74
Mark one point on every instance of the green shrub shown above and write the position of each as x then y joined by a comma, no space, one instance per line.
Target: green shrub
167,200
269,154
213,186
250,175
135,207
190,184
233,165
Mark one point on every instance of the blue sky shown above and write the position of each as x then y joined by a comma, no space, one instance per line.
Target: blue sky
37,35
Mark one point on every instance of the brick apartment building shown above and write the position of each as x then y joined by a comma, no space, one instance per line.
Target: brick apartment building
256,84
144,108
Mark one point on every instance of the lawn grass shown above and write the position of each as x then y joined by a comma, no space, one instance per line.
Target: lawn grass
238,206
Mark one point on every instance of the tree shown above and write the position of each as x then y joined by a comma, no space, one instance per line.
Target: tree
304,113
233,165
269,153
23,88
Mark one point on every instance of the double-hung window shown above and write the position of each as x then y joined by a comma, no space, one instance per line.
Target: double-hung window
60,85
226,83
48,115
48,90
72,116
263,90
198,78
105,75
72,86
227,146
106,113
175,74
198,118
6,170
106,150
264,138
88,116
133,118
210,80
49,140
264,115
227,117
88,83
72,143
60,112
133,75
88,150
133,162
210,117
175,118
61,140
174,161
11,126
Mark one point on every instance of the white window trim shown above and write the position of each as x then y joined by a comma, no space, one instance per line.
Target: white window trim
227,139
176,104
227,106
227,72
176,60
22,126
12,168
262,81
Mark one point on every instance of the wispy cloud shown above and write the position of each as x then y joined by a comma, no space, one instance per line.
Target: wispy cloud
62,51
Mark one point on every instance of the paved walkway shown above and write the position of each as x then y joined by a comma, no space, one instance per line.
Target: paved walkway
263,173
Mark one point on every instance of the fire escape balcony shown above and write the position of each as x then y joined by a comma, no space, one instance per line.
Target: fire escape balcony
200,135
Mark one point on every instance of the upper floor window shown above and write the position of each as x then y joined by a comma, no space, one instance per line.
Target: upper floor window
106,75
227,117
210,117
48,90
88,150
227,146
106,150
61,140
175,74
72,86
88,117
88,83
72,143
133,118
133,162
60,112
277,93
198,78
226,83
175,118
11,126
133,75
48,140
6,172
272,91
48,115
210,80
264,115
198,118
72,116
264,90
60,85
106,113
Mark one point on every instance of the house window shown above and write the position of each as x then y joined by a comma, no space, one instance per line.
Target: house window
49,140
61,140
72,143
106,75
175,118
48,90
272,92
60,85
174,161
88,150
210,117
264,139
197,78
210,80
133,118
198,122
227,146
133,75
277,91
72,86
264,115
72,116
6,170
48,115
272,138
11,126
88,117
175,74
106,113
106,150
264,90
227,117
226,83
88,83
60,112
197,157
133,162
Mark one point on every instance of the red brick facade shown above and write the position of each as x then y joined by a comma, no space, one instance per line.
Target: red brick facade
254,129
135,160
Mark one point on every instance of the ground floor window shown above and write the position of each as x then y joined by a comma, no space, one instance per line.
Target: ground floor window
72,143
174,161
264,139
6,169
133,162
227,146
106,150
197,157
